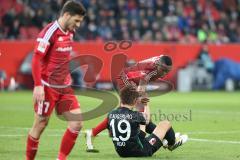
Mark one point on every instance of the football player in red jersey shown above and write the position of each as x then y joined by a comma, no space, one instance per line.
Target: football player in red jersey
52,79
147,70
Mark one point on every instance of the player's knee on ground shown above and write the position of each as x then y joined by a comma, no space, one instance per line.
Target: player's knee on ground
76,125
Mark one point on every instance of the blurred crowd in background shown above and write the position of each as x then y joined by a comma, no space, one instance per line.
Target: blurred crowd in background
184,21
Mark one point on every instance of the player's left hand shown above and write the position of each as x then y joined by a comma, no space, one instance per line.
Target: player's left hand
38,94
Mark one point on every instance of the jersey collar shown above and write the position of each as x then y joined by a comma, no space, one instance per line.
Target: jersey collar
61,28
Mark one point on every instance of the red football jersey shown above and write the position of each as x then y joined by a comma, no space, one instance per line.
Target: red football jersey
139,71
54,46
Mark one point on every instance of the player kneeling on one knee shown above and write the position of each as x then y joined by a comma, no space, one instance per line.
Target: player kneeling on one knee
128,129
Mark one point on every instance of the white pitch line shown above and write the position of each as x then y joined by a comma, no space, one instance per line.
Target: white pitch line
102,133
24,128
191,139
22,135
214,132
214,141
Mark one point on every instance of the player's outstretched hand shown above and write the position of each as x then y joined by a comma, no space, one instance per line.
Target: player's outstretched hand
38,94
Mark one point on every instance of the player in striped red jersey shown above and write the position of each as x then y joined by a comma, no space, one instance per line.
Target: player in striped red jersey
52,78
147,70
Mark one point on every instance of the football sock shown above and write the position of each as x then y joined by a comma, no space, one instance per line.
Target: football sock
150,127
67,143
170,136
100,127
32,147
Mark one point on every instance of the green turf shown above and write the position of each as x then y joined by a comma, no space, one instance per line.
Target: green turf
213,118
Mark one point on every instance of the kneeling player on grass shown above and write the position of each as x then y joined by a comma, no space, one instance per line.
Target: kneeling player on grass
127,128
148,70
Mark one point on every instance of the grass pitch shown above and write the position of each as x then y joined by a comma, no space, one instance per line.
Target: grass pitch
211,119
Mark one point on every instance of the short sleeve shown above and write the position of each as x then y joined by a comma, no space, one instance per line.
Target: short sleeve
41,46
45,38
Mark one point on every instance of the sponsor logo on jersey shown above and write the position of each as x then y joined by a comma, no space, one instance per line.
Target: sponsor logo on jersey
152,141
42,46
60,39
64,49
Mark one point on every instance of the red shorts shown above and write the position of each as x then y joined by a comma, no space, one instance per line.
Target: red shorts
62,100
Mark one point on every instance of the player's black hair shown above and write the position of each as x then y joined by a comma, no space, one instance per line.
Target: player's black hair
166,60
128,95
73,8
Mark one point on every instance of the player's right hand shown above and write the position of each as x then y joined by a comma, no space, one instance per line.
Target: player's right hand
145,100
38,94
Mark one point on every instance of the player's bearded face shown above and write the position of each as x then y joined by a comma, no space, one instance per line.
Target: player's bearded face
73,22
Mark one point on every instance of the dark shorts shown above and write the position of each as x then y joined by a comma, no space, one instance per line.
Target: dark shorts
146,147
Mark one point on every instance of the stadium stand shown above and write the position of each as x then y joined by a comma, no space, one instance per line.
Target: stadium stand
185,21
